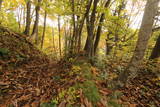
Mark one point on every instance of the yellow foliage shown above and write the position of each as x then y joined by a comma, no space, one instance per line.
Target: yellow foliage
20,1
76,68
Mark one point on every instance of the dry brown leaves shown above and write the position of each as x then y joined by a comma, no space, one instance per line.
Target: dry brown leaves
26,74
143,91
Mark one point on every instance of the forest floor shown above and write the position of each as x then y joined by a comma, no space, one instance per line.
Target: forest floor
29,78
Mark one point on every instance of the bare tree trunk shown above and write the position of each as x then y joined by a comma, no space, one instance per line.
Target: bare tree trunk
59,31
35,27
1,4
24,17
91,26
88,30
82,23
20,10
108,45
99,29
156,50
143,37
44,29
28,18
54,49
74,28
65,41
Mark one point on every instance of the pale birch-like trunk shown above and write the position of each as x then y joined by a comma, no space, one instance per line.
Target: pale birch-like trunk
143,37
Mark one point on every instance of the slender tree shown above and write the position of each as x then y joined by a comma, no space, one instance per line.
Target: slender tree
1,4
44,29
89,46
53,43
19,16
59,33
35,27
78,23
99,29
80,27
141,46
74,27
28,18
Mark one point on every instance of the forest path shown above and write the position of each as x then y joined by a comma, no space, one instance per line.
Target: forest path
26,74
29,78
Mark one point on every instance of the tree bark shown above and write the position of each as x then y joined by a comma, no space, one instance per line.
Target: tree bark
28,18
91,26
19,14
53,42
141,46
99,29
88,30
59,31
1,4
109,46
35,27
156,50
44,29
74,27
82,23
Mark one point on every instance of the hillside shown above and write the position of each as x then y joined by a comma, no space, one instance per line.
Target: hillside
29,78
25,72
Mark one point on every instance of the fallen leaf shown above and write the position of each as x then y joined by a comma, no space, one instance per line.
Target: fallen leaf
132,105
35,104
62,104
105,91
26,105
87,103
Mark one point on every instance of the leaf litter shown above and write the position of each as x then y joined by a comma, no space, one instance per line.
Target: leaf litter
29,78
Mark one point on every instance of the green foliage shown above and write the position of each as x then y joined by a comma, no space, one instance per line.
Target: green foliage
4,51
48,105
113,103
9,20
56,78
116,95
20,57
90,91
75,70
113,99
69,95
99,62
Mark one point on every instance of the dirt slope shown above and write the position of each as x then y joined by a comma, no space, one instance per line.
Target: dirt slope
25,72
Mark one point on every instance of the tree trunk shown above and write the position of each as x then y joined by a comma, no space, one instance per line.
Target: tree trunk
156,50
74,28
109,46
54,48
99,29
144,34
28,18
82,23
44,29
35,27
91,26
19,14
1,4
65,41
88,30
59,31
